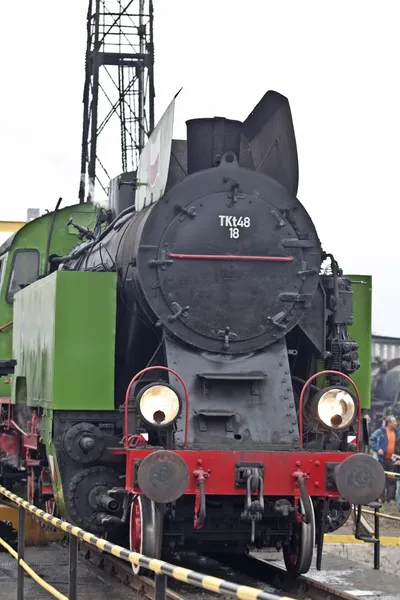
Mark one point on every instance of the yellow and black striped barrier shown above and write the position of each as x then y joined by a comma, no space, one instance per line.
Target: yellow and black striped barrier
159,567
381,515
392,474
349,539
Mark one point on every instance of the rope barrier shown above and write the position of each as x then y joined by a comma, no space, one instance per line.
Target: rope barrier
49,588
159,567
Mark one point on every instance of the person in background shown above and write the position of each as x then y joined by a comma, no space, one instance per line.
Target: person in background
385,441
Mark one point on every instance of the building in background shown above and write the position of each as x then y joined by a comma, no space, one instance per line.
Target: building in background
385,392
384,348
32,213
7,228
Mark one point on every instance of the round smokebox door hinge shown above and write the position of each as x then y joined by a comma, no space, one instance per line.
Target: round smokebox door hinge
84,442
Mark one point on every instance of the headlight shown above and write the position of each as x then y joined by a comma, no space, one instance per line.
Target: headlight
336,408
159,405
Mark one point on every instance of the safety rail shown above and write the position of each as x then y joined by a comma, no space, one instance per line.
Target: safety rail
376,513
381,515
392,475
161,569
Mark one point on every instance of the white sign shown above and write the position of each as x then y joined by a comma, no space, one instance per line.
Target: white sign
154,161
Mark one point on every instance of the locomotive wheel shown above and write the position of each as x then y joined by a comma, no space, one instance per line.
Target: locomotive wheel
299,553
145,530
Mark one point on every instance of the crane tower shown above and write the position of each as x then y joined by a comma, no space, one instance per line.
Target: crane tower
118,97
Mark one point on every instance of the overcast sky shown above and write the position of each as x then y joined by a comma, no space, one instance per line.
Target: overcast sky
336,61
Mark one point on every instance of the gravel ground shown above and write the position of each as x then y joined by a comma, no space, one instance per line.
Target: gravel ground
52,564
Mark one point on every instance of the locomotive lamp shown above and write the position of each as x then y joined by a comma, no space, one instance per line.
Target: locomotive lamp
159,405
335,407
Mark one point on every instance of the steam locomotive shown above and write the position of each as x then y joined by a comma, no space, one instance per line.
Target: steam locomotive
187,368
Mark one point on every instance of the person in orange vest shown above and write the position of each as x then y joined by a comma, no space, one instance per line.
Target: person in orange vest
385,441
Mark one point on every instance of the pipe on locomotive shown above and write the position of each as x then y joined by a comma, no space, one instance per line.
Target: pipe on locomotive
305,386
134,379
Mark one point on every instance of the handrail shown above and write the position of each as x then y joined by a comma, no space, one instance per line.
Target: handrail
161,568
134,379
3,327
305,386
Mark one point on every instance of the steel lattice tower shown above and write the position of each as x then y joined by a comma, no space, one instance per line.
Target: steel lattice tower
118,89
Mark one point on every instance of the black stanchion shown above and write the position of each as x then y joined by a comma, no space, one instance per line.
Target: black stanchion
21,547
73,567
321,534
377,545
160,590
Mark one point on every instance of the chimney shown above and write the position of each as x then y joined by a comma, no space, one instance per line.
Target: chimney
209,139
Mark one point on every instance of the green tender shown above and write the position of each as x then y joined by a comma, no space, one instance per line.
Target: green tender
361,332
64,342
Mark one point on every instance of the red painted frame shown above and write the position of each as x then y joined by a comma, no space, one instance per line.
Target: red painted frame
281,469
280,476
15,441
19,444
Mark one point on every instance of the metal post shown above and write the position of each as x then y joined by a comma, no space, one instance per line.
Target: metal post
377,545
21,546
86,110
73,567
120,48
160,590
152,92
140,69
321,534
94,106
